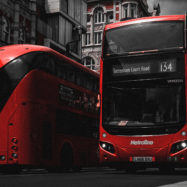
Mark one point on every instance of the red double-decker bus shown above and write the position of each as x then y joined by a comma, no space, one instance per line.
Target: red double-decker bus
143,93
48,114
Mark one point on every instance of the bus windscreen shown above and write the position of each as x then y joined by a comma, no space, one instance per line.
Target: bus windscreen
145,106
144,36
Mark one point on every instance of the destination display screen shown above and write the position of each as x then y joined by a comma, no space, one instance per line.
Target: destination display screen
131,68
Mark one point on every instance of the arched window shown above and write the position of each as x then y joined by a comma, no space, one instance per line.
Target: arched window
98,15
89,62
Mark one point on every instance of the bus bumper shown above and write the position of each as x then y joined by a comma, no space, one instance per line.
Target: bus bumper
154,157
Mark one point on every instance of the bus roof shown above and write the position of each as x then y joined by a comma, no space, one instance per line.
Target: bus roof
143,20
10,52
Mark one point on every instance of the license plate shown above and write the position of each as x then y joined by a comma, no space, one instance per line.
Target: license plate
142,159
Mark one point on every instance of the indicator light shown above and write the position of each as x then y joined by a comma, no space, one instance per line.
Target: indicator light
14,148
14,140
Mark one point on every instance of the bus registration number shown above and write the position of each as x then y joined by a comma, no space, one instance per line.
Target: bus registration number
142,159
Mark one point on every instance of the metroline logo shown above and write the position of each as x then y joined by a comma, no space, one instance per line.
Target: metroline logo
144,142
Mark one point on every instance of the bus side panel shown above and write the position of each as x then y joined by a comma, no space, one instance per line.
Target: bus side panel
33,131
30,125
19,137
5,115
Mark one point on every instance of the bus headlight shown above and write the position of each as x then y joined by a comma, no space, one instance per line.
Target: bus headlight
107,146
178,146
2,157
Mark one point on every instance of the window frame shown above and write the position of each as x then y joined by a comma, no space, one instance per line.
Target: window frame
98,15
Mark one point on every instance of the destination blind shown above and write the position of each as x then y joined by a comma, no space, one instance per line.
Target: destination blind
159,66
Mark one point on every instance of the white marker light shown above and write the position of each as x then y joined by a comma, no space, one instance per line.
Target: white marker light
183,144
183,133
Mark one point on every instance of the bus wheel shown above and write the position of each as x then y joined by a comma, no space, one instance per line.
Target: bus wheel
12,169
67,158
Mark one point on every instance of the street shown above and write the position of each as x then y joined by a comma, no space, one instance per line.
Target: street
96,177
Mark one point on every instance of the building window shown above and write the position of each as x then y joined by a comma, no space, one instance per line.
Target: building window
88,39
64,6
129,10
5,29
89,62
98,15
97,37
21,38
88,18
133,9
110,17
125,11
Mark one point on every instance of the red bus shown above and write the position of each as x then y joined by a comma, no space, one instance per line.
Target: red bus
143,93
48,114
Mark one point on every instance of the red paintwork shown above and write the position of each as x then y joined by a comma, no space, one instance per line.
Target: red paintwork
33,103
124,150
144,19
8,53
117,16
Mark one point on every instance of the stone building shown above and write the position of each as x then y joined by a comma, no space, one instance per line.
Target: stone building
100,13
17,22
58,24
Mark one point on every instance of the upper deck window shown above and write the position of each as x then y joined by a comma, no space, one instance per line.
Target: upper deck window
144,36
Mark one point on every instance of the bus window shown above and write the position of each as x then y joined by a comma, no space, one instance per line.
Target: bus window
71,75
78,77
67,124
45,62
11,74
61,69
96,86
